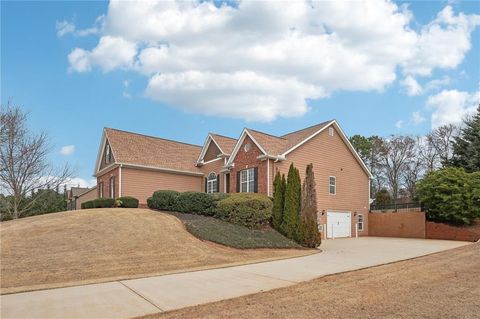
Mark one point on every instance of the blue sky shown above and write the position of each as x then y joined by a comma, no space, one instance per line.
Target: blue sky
222,71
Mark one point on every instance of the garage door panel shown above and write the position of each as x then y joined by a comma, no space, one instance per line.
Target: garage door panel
339,224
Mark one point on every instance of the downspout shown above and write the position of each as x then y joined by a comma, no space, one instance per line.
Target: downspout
268,177
120,181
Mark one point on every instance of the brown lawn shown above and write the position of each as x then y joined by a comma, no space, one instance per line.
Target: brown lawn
443,285
97,245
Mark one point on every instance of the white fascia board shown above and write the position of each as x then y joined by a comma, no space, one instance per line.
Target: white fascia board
101,148
162,169
239,143
307,139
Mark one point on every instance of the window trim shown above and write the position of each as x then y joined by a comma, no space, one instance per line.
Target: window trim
108,154
212,183
334,185
360,216
112,187
330,131
250,177
100,189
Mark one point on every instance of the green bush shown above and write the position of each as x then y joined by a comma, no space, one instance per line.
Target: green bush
249,210
450,195
98,203
103,202
195,202
150,203
164,200
127,202
293,196
87,204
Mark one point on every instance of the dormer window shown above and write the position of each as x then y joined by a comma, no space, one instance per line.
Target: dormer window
108,154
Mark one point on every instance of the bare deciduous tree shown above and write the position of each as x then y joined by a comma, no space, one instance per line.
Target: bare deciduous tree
414,168
428,153
24,167
442,140
395,154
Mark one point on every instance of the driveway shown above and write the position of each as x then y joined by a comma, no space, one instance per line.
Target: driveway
129,298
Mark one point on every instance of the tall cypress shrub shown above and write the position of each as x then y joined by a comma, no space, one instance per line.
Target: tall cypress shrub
278,201
310,236
291,213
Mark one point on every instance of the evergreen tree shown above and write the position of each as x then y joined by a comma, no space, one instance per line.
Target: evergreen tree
466,146
278,201
291,213
310,236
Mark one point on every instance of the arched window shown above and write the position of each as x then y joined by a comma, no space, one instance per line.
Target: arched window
212,183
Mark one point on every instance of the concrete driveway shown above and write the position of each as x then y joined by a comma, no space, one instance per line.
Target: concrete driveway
129,298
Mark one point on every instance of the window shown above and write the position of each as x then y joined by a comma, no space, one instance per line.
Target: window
330,131
247,147
360,222
212,182
100,190
108,154
112,187
333,185
247,180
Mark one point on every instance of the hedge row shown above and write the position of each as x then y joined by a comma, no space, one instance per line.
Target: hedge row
127,201
249,210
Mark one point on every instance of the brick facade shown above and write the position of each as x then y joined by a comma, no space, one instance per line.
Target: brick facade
448,232
248,159
397,224
105,179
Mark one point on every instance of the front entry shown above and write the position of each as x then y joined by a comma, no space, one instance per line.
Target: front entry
339,224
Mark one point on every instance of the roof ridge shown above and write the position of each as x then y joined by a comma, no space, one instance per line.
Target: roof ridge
151,136
306,128
280,137
232,138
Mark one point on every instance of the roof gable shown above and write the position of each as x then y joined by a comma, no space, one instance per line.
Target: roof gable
149,151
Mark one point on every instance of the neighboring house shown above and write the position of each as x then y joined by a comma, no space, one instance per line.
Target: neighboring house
78,195
130,164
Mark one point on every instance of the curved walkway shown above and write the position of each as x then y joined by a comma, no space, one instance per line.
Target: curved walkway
129,298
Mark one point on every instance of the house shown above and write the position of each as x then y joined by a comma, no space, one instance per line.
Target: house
137,165
78,195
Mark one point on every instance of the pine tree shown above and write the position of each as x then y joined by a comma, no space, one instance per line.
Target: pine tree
466,146
291,213
310,236
278,201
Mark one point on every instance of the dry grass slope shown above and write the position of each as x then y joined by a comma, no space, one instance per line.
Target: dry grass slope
99,245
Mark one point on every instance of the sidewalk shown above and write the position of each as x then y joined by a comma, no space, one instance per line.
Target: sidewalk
130,298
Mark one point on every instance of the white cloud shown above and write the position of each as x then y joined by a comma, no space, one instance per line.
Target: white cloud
442,43
67,150
399,124
411,85
291,51
64,27
417,118
451,106
109,54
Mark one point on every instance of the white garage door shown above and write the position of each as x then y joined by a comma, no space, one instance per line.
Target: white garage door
339,224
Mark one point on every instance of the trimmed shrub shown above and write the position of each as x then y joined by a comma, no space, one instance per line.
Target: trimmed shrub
249,210
127,202
103,202
150,203
195,202
279,185
293,197
164,200
98,203
309,234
